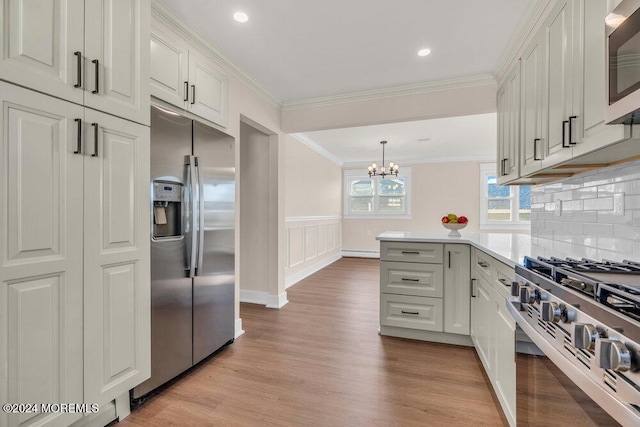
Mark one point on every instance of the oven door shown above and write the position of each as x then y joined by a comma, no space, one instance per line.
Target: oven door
551,391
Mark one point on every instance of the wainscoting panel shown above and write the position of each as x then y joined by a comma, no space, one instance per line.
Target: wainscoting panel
313,242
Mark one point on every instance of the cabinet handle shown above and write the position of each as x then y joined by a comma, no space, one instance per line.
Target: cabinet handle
78,55
404,279
473,288
410,253
504,166
564,136
186,91
193,94
97,70
571,119
449,252
535,149
483,264
505,282
79,136
415,313
95,140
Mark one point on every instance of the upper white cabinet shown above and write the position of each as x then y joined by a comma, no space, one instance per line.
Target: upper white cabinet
561,99
91,52
184,77
509,127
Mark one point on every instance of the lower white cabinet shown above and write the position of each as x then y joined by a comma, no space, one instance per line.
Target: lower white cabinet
457,280
481,315
411,312
74,258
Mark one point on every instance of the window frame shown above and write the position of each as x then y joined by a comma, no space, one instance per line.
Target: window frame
356,174
486,170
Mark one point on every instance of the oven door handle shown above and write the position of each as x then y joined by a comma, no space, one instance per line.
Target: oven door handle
618,410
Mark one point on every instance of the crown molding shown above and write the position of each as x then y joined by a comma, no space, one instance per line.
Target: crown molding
169,18
529,22
480,80
424,160
315,147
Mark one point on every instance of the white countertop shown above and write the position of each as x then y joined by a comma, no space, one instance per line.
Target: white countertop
506,247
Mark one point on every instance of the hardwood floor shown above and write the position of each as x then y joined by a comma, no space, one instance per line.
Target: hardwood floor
319,361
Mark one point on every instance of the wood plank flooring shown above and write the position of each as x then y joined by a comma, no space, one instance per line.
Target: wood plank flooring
319,361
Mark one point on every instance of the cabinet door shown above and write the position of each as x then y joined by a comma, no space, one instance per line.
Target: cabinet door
531,104
40,255
482,322
117,264
509,123
169,68
558,43
208,89
38,39
504,358
457,289
117,37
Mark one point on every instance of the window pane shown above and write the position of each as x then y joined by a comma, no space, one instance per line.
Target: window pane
495,190
391,204
362,187
499,210
524,203
391,187
360,204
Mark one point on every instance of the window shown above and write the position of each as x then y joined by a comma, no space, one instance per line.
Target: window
376,196
503,206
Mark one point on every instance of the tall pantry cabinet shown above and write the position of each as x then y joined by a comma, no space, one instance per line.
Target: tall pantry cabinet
74,204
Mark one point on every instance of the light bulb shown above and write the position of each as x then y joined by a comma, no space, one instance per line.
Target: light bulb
374,165
390,165
370,168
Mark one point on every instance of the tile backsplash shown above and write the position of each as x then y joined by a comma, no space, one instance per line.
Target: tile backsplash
595,215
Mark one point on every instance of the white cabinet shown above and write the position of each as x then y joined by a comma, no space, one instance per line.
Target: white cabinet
74,274
493,328
509,127
457,280
59,47
182,76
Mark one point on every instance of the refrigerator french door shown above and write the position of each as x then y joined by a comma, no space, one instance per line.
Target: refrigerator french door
192,245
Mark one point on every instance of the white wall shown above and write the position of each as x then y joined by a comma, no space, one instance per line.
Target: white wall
436,190
587,225
313,206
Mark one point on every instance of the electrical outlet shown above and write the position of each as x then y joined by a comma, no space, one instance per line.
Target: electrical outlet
618,204
558,210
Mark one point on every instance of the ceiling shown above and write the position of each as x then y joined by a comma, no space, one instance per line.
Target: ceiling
300,50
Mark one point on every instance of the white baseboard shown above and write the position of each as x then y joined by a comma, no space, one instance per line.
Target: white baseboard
361,254
296,277
263,298
239,331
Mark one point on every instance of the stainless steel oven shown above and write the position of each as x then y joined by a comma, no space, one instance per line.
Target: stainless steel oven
623,63
587,333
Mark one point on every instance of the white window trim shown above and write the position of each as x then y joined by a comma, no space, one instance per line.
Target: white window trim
404,172
490,169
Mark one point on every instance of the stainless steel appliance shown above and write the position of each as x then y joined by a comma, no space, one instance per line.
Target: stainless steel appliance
582,314
623,68
192,245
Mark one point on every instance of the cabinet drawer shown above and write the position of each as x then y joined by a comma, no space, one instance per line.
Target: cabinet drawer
403,278
411,312
503,277
483,264
411,252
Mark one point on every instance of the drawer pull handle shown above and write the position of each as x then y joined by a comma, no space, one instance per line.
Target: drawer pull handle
483,264
404,279
505,282
410,253
415,313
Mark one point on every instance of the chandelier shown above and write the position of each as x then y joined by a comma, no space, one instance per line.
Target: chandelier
373,168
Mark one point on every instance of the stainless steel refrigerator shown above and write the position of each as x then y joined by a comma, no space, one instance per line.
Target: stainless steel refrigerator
192,244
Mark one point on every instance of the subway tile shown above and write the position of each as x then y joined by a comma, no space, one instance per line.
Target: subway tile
562,237
607,217
612,255
598,230
632,202
563,195
600,204
553,187
585,193
621,231
615,245
572,205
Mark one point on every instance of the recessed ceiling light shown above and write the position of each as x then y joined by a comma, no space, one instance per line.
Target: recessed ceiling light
424,52
241,17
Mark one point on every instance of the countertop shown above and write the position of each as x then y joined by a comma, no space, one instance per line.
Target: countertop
506,247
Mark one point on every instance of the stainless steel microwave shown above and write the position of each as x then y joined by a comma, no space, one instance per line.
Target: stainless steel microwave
623,63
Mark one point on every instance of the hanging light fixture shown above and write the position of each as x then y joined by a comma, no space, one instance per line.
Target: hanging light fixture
392,170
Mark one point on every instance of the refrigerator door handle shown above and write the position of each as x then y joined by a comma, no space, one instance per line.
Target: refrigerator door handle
201,219
193,214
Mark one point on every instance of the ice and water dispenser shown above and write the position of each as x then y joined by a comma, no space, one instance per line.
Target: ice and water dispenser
167,210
